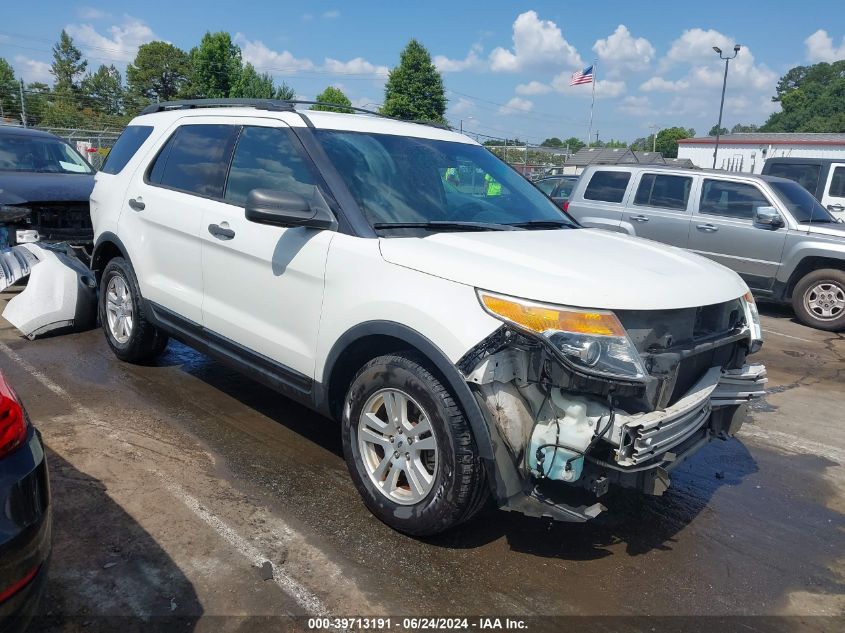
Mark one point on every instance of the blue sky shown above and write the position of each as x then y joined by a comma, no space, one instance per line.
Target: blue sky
506,64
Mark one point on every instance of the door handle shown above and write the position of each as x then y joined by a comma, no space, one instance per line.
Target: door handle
221,232
835,207
639,218
707,228
137,203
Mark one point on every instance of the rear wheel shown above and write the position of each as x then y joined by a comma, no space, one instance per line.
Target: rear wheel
819,299
128,332
409,448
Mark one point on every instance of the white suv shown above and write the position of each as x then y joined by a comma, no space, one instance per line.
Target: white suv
469,335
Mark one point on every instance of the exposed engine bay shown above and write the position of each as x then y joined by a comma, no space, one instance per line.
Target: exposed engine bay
567,429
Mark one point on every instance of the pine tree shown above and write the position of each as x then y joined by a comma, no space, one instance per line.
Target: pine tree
104,91
68,64
159,73
414,88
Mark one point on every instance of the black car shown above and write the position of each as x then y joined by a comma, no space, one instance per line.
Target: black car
25,519
44,188
557,188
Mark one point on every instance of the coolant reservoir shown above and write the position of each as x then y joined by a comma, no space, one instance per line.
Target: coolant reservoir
572,423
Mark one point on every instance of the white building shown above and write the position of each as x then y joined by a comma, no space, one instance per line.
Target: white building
748,152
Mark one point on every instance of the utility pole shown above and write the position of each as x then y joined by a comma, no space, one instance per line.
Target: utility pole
722,103
654,129
23,103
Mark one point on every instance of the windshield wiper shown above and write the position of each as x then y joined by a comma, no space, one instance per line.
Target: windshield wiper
446,226
543,224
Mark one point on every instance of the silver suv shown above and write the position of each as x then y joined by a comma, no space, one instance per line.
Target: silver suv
785,245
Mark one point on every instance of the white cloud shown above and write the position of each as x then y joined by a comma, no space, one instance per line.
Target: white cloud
368,103
120,44
533,88
635,106
330,15
267,60
461,107
820,48
694,45
516,105
307,17
604,87
621,51
91,13
356,66
471,62
536,44
659,84
31,70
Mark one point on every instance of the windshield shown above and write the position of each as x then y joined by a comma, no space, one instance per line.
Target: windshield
435,184
41,155
801,203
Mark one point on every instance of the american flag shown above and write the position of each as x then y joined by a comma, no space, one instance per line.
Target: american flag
582,77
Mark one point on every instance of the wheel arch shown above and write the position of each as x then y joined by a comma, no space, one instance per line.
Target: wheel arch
107,247
808,265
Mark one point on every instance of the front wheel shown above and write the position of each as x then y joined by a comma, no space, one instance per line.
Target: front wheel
409,448
819,299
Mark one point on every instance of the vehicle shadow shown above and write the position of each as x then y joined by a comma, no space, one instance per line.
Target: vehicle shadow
638,522
106,572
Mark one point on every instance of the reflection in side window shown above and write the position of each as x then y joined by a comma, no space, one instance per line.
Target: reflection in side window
664,191
805,175
731,199
607,186
837,183
195,159
266,158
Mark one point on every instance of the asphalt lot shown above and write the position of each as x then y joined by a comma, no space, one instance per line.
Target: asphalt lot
174,483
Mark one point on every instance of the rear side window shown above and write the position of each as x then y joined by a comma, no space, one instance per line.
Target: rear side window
607,186
125,147
664,191
805,175
266,158
837,183
195,159
547,186
731,199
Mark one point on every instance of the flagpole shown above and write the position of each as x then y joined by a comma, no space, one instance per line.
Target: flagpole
592,105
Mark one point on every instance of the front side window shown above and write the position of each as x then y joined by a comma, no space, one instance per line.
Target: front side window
731,199
664,191
805,175
837,183
801,203
267,158
40,154
125,147
607,186
402,179
195,159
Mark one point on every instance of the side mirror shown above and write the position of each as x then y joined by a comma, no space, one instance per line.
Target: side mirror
289,209
767,216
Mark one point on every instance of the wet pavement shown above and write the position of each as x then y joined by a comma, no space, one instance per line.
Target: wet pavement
174,483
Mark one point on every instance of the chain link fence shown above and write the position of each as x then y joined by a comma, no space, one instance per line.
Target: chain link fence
94,145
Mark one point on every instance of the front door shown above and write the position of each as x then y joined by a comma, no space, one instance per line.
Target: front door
264,284
834,191
723,229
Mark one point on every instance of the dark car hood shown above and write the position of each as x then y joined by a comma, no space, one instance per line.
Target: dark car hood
21,187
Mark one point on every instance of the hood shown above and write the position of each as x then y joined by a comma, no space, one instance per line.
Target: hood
586,268
832,230
22,187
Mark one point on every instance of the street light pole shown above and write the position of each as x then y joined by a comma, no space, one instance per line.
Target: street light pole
722,103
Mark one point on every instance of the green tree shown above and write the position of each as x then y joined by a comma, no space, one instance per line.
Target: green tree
159,73
721,131
9,90
667,140
103,90
414,89
68,65
215,66
36,99
812,99
251,85
285,92
332,95
739,128
574,144
552,142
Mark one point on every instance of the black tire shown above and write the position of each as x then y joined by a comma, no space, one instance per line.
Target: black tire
836,280
459,487
145,342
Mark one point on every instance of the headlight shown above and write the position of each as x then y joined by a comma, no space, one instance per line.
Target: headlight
752,318
592,341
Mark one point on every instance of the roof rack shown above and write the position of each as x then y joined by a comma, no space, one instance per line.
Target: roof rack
276,105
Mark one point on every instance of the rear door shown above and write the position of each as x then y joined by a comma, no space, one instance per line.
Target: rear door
660,208
723,229
601,202
834,191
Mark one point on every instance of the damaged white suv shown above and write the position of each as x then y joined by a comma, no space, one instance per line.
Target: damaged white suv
470,337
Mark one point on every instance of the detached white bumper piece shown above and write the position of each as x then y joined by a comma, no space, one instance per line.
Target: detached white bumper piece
61,292
15,264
